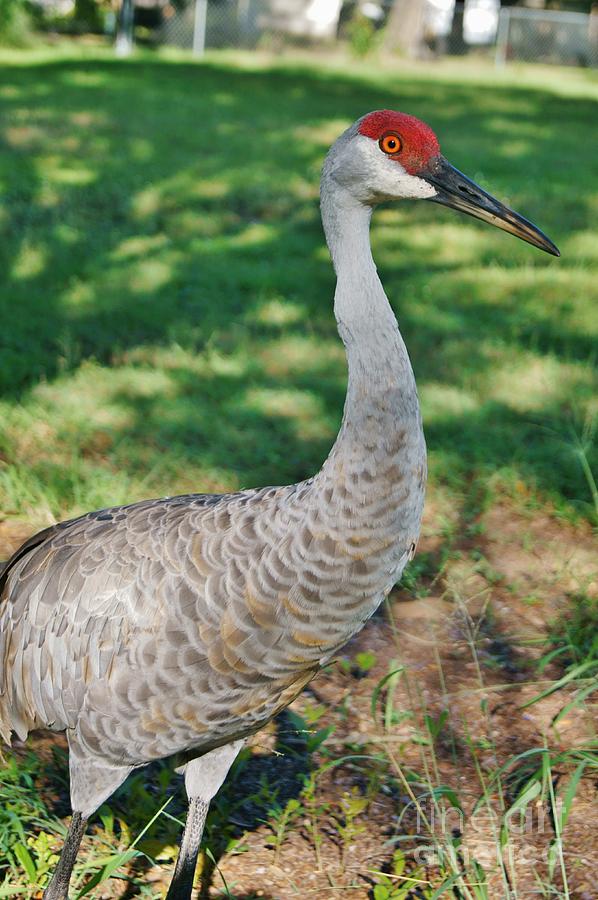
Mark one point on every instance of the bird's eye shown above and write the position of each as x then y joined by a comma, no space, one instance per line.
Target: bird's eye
390,143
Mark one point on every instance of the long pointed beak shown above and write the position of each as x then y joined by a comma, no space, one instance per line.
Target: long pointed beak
456,190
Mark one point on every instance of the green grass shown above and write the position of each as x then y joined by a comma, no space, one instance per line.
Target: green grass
166,300
167,297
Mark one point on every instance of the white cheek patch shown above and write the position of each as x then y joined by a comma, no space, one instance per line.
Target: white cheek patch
395,183
415,188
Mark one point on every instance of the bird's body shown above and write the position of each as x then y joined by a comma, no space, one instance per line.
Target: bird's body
183,625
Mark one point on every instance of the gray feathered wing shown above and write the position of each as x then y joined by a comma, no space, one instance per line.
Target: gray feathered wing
150,629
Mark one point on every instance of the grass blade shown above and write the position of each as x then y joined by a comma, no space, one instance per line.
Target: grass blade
573,674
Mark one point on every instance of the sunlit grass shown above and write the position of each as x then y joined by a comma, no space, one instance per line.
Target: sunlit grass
188,218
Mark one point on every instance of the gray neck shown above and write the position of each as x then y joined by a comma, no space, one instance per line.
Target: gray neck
381,414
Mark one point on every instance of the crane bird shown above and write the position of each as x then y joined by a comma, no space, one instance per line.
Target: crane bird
183,625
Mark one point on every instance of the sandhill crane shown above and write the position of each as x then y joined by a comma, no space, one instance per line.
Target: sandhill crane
183,625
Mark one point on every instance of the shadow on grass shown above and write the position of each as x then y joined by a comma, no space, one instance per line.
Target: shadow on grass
153,204
105,175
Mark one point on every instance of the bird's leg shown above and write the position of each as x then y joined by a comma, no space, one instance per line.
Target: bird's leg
58,887
184,872
203,779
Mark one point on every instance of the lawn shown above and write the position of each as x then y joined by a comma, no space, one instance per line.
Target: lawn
166,300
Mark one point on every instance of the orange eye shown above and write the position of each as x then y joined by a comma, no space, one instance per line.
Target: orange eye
390,143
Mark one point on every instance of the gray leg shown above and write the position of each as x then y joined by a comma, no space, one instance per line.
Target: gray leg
184,872
203,779
58,888
92,782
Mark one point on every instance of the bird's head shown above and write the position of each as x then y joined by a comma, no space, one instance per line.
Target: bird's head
388,155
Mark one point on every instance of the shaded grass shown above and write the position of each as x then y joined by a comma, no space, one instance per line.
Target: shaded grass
168,298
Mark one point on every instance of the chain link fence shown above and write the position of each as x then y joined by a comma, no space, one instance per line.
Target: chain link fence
547,36
544,36
200,24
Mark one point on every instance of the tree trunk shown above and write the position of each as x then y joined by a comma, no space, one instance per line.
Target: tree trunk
405,28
